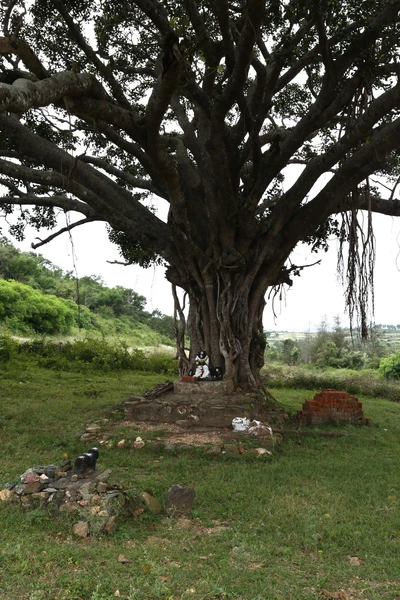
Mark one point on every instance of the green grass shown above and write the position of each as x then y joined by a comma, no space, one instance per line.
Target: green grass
279,528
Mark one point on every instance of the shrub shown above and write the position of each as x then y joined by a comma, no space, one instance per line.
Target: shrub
364,382
389,367
161,363
97,354
23,308
8,347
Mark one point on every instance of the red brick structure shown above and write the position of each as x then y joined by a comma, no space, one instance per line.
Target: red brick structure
332,406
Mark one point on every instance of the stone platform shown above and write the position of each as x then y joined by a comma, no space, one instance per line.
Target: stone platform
224,386
202,403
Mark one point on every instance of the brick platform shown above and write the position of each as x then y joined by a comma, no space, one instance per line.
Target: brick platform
332,406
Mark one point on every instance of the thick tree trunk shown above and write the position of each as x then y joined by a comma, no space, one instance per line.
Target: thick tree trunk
225,320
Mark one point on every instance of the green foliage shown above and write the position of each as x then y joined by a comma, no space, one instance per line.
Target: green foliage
290,352
8,347
97,355
132,252
389,367
327,355
92,305
366,381
329,347
24,309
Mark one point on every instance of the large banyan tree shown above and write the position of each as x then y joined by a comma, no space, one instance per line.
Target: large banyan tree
110,107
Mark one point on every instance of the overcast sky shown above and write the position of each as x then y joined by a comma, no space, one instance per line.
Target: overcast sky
317,293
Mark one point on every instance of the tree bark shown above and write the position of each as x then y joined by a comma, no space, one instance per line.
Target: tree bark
225,320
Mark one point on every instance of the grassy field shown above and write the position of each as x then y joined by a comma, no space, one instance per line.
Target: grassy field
320,518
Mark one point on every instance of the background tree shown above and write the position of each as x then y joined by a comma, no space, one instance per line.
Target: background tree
204,104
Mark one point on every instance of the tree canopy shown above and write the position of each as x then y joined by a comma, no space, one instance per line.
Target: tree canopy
205,104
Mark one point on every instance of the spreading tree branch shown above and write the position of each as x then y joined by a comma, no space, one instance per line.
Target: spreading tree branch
24,94
110,202
136,182
13,45
104,70
66,203
60,232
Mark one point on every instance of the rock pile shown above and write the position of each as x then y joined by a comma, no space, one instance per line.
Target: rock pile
59,488
96,503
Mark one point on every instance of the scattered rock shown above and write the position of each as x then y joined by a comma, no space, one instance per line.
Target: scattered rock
104,475
263,451
90,496
170,447
110,525
260,429
138,443
81,529
68,507
259,452
32,488
8,496
179,500
151,503
31,478
87,437
123,560
93,428
214,450
87,490
231,449
40,499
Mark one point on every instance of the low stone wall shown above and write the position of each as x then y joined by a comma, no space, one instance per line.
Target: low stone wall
332,406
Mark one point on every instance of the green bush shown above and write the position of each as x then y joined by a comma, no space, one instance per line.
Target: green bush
39,297
97,354
161,363
8,347
22,309
389,367
366,382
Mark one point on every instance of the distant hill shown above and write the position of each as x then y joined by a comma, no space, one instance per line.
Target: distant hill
37,296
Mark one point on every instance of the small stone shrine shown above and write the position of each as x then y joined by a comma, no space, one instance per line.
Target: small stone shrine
332,406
